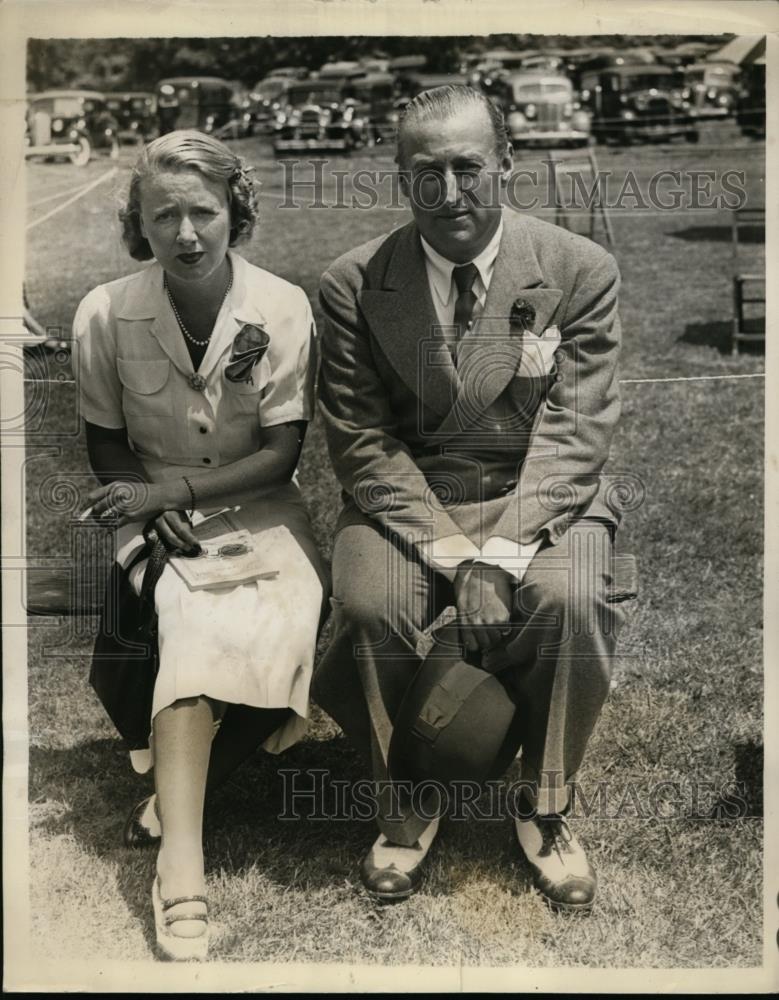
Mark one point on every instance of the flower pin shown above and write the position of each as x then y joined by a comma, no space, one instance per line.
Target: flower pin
197,382
522,315
250,344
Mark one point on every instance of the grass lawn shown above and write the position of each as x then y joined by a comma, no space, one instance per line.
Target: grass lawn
686,707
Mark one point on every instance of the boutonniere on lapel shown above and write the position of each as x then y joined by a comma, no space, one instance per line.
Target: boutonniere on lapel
250,344
538,350
522,315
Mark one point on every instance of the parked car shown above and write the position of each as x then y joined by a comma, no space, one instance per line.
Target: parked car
406,69
321,114
638,103
750,106
375,98
602,59
70,123
241,122
268,98
200,102
713,88
136,114
543,109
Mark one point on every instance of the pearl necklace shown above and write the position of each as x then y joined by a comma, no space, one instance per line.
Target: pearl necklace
184,330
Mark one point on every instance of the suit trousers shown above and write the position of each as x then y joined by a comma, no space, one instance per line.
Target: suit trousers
559,659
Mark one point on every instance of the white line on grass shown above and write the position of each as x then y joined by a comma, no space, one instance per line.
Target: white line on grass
59,194
689,378
75,197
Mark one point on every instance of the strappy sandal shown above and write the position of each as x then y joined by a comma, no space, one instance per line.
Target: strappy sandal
171,946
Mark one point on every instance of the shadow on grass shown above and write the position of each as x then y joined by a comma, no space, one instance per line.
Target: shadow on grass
746,798
717,334
255,822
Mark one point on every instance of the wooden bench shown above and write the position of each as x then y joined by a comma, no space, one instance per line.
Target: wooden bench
746,329
57,592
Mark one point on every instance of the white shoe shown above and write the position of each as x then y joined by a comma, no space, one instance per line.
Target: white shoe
173,946
391,872
561,871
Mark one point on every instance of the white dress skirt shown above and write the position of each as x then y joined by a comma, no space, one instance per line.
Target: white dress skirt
252,644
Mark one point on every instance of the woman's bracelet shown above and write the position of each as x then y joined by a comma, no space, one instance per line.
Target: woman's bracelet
191,493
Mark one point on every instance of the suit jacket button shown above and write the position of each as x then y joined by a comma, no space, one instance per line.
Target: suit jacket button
559,357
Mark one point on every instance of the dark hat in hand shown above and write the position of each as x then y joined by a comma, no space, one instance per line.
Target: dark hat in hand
456,722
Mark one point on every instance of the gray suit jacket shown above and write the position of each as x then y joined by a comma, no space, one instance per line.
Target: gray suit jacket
446,457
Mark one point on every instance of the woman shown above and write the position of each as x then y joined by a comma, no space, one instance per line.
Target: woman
196,381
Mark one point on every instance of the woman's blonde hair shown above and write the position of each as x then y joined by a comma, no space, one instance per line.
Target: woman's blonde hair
187,149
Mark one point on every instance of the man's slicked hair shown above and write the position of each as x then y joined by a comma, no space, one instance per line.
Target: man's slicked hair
446,101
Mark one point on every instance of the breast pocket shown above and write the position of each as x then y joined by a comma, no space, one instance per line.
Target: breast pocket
244,395
144,385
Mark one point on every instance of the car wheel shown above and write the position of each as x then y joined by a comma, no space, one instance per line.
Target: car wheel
81,157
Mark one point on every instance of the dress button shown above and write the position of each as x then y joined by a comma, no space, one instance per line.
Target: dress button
204,430
206,461
559,357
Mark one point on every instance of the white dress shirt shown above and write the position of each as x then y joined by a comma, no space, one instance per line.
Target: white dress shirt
442,286
497,551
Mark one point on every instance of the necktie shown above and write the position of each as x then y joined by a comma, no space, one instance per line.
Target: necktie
464,277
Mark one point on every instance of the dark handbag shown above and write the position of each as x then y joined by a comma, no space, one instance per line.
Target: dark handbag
125,658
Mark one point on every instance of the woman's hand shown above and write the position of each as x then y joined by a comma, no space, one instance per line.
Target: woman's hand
175,532
125,500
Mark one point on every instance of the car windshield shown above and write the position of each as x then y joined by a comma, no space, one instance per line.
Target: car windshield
538,91
718,75
68,107
270,89
649,81
314,95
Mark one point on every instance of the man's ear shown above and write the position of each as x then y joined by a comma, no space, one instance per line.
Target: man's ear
506,164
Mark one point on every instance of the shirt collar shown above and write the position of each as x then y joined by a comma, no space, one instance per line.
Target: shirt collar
439,269
144,297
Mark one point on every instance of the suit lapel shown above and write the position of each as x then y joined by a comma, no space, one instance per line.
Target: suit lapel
489,354
402,318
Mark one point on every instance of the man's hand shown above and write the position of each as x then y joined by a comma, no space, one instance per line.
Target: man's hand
484,597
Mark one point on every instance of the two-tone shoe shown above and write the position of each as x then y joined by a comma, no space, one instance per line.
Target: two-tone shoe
391,873
142,828
561,872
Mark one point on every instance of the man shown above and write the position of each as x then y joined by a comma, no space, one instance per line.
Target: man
469,393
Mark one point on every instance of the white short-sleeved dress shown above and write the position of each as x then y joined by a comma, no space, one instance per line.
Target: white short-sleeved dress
252,644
